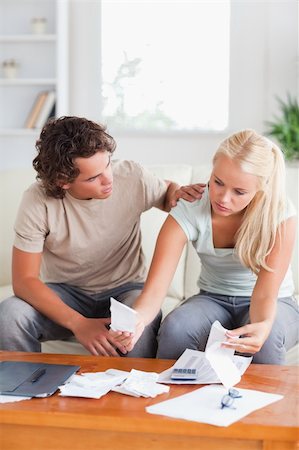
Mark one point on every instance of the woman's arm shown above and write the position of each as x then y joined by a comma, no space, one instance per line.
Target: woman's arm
264,297
169,247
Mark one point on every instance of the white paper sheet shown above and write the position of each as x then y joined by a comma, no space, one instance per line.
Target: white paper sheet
195,359
223,365
217,335
204,405
12,398
123,318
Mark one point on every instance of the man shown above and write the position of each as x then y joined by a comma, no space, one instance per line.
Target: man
78,242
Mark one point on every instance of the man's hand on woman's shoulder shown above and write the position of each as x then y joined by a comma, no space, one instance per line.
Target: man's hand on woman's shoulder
191,192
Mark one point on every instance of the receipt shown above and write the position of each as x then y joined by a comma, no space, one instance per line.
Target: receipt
123,318
91,385
220,358
94,385
142,384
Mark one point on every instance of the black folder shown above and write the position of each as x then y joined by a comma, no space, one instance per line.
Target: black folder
30,379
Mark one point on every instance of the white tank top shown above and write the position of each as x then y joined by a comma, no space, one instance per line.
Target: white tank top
221,269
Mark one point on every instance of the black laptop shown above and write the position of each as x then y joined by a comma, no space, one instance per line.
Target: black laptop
30,379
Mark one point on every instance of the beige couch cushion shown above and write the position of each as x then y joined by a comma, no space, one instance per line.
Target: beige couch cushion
12,185
152,220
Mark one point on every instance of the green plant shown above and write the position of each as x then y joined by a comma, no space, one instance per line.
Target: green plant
285,129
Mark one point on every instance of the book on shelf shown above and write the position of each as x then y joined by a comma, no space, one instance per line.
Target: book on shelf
43,108
35,110
46,110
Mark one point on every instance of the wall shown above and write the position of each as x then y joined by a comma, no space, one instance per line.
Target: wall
264,63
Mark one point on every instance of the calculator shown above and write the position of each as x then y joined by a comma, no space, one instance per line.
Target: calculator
184,374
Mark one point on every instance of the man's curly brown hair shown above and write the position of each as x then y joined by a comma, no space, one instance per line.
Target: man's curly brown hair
62,141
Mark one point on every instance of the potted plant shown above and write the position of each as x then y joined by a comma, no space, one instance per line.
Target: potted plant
285,129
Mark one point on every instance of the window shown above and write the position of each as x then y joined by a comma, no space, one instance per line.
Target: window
165,64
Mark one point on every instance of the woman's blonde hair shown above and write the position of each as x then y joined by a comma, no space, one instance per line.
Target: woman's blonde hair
258,156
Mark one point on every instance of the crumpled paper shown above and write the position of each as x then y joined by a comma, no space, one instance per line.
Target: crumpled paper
94,385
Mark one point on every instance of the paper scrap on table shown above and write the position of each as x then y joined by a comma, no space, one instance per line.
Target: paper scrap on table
123,318
142,384
96,384
194,359
204,405
90,385
12,398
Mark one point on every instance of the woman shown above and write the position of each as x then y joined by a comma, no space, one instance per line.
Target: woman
243,230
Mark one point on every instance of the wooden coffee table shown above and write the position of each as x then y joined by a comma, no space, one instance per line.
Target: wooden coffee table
120,422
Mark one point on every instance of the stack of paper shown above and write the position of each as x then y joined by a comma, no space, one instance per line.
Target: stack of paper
215,365
94,385
90,385
142,384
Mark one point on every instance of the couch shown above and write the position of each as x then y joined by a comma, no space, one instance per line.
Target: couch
184,284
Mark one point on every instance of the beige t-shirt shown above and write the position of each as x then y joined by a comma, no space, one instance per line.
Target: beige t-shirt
92,244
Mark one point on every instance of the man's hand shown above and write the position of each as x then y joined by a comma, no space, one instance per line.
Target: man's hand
127,339
190,193
95,336
252,337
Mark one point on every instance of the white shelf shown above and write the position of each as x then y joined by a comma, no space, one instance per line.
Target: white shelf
42,61
27,81
19,131
27,38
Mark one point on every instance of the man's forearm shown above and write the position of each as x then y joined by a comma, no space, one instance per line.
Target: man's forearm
46,301
170,195
174,192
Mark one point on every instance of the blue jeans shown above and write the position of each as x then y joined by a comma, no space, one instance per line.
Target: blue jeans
23,328
188,326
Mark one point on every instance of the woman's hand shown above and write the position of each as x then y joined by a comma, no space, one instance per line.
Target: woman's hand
252,337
